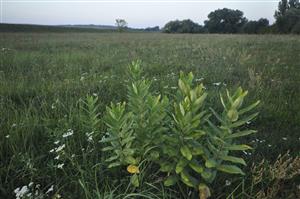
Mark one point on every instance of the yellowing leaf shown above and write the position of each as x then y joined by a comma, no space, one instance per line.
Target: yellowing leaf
133,169
204,191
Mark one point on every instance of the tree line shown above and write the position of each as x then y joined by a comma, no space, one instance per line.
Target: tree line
233,21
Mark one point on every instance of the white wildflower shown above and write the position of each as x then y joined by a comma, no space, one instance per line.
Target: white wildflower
53,106
269,145
7,136
217,83
227,183
199,79
50,189
13,125
52,150
89,136
95,94
284,138
60,148
56,142
57,157
21,192
60,166
68,133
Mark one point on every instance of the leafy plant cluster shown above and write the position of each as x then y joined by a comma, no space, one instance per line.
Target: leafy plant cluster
189,142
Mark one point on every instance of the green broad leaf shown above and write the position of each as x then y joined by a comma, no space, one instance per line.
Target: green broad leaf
193,95
238,92
190,77
128,151
198,134
170,151
233,115
181,109
197,150
240,134
241,147
200,100
154,155
182,86
230,169
166,167
217,115
112,158
110,139
171,180
214,127
135,90
180,165
223,102
238,102
134,180
186,152
249,108
109,148
243,121
228,96
210,163
187,179
115,164
112,114
127,140
207,175
234,159
130,160
196,166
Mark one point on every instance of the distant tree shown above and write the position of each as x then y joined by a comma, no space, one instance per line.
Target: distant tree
152,29
294,4
254,27
296,28
225,21
184,26
283,6
121,24
288,16
287,22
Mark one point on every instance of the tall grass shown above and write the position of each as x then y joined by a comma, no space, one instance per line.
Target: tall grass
45,77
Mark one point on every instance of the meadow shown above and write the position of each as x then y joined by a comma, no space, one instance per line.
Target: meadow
44,77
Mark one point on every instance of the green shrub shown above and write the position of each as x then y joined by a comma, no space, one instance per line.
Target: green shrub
188,141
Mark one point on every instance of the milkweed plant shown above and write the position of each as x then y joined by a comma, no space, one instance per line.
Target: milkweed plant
189,142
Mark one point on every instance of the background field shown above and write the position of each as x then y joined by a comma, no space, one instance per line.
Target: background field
43,75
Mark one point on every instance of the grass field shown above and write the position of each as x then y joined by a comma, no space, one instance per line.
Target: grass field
44,75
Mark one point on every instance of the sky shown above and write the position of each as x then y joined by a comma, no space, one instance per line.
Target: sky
138,13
